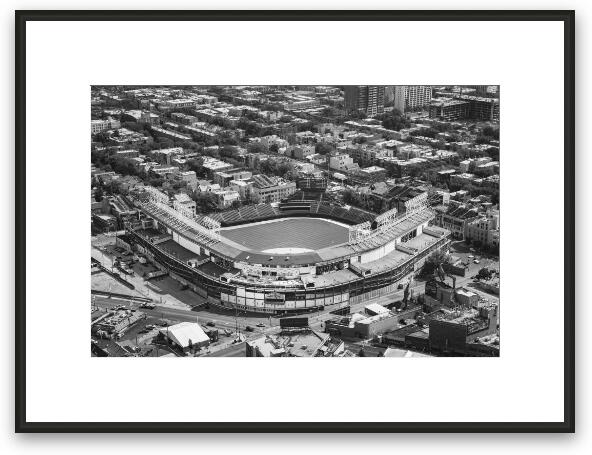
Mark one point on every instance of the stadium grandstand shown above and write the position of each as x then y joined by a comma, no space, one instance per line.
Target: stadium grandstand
299,255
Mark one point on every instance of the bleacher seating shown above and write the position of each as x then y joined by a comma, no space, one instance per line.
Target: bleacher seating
291,207
180,223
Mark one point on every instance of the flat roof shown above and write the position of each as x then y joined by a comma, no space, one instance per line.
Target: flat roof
178,251
376,308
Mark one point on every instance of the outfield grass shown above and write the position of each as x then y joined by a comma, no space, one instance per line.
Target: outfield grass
308,233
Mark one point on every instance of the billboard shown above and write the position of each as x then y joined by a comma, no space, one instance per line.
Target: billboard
293,322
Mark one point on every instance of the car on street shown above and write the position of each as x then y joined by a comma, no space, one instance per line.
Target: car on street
260,325
210,324
476,261
471,256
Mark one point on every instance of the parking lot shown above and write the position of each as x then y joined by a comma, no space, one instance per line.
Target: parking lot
475,260
163,290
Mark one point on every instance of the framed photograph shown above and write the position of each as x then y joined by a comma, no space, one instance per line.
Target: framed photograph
348,189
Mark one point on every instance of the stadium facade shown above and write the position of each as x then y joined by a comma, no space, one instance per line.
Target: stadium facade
376,253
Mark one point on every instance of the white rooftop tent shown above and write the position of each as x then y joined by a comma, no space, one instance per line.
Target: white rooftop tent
186,334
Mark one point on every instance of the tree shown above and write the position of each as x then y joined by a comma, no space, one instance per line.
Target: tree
482,139
154,180
99,194
330,112
348,196
228,151
123,166
432,263
357,115
256,147
206,201
196,165
129,104
394,120
323,148
484,274
490,132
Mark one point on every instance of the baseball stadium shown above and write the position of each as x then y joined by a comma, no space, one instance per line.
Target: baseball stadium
299,255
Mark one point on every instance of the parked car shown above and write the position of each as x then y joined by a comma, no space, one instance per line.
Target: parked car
260,325
210,324
249,329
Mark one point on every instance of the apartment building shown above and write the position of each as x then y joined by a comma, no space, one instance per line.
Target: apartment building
368,99
412,97
97,126
271,189
485,230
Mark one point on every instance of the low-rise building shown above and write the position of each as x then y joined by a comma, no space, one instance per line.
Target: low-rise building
271,189
295,343
189,177
223,178
170,134
226,198
118,321
127,153
181,103
213,165
143,117
360,326
455,218
166,155
184,204
188,337
454,331
340,161
484,230
98,126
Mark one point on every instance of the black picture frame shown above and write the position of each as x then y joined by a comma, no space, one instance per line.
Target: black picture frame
568,423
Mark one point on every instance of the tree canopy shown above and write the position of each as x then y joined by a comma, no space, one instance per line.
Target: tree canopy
394,120
432,263
323,148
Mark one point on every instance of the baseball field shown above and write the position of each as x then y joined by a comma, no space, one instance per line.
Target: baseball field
288,235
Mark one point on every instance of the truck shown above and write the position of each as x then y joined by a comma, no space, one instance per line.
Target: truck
148,305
